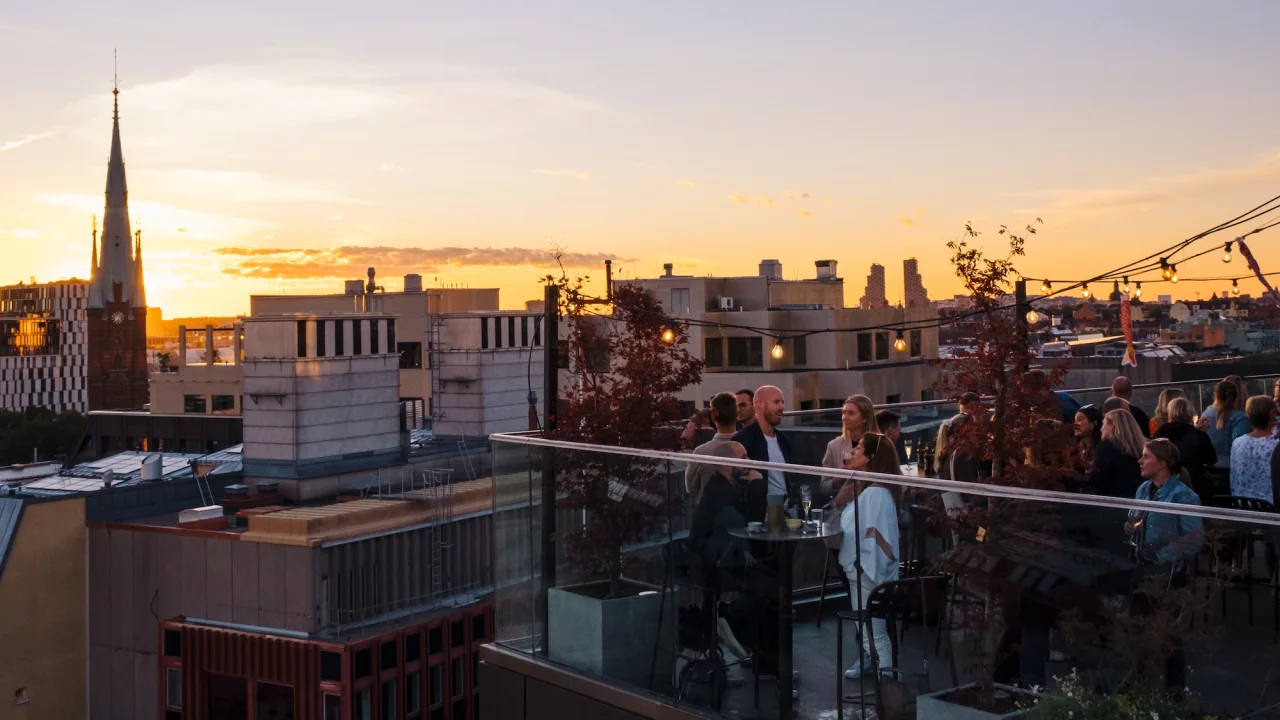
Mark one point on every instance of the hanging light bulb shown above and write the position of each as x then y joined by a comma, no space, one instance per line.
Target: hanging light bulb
1033,317
1226,252
1046,286
1125,289
777,351
668,335
899,344
1084,290
1174,276
1137,290
1164,269
1235,288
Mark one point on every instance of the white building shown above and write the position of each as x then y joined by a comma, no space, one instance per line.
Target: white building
43,346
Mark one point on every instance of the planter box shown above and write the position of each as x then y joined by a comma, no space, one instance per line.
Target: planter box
611,637
934,707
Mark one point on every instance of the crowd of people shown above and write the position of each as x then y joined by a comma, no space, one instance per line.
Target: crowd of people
1176,455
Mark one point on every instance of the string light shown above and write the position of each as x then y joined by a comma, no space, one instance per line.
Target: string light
1226,252
1084,290
1137,290
1126,285
1174,277
777,351
899,344
1046,287
1032,317
1235,288
1165,272
668,335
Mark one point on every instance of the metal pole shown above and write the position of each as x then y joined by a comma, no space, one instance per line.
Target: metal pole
550,399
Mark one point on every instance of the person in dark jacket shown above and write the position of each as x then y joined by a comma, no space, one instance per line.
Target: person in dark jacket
1195,449
764,443
1122,388
1115,470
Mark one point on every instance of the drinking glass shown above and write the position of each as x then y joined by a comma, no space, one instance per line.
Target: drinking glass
806,500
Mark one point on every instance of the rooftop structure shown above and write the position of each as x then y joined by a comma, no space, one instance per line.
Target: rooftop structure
44,346
915,294
874,296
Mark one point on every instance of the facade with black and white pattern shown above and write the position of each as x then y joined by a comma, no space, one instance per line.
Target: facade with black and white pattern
44,346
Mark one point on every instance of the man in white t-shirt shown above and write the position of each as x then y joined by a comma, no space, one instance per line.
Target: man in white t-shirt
765,444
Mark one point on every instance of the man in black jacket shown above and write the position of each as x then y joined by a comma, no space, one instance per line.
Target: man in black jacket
764,443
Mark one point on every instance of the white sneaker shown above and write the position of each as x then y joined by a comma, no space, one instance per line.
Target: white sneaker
857,670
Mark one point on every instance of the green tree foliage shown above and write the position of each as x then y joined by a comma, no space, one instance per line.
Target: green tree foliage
54,434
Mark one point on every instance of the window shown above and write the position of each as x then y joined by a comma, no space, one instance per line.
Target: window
119,362
746,352
228,697
363,663
332,706
864,348
917,343
194,404
357,328
362,705
511,331
436,640
330,666
457,634
410,355
537,331
272,701
224,403
713,352
391,332
524,332
173,688
172,643
389,698
799,351
389,656
475,672
412,692
321,338
477,629
459,681
373,337
893,399
882,346
680,301
339,341
412,648
484,333
436,692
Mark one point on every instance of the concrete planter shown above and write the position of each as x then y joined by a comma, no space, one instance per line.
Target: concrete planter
934,707
610,637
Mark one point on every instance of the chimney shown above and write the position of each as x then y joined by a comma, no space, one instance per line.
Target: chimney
826,270
413,283
771,269
151,468
667,268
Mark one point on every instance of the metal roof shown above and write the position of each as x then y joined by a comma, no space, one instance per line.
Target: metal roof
126,468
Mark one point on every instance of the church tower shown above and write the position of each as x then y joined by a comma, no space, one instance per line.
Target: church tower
117,306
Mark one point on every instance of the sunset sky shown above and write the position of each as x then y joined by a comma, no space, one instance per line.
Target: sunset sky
284,146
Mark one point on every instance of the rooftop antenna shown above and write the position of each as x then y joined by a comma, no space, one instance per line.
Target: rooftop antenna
115,82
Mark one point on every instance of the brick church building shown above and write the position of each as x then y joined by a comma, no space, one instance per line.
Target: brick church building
117,305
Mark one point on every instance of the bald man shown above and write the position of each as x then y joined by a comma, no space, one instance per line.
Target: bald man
765,444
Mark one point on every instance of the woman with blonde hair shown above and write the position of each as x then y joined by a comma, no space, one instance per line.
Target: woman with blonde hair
1162,408
1225,420
871,535
857,418
1115,470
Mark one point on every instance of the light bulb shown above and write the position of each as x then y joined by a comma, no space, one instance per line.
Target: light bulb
776,352
1084,290
668,335
899,344
1235,288
1032,317
1126,285
1046,286
1137,290
1174,277
1164,269
1226,252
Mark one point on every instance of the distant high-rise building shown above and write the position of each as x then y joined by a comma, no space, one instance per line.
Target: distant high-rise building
913,285
873,297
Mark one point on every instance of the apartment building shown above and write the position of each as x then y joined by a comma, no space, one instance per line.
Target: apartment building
44,346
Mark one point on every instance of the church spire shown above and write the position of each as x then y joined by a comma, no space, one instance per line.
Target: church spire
140,288
93,260
116,277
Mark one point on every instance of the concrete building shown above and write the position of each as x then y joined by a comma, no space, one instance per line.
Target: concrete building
44,346
489,365
874,297
914,292
815,370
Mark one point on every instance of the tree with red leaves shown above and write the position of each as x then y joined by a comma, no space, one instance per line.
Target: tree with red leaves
626,370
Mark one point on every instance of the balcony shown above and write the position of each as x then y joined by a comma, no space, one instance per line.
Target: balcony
1071,602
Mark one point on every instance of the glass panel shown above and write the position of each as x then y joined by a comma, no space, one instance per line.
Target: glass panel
389,700
457,676
362,704
413,692
173,688
436,677
332,706
228,697
273,701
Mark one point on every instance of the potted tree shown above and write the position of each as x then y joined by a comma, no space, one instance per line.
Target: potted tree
626,368
1010,439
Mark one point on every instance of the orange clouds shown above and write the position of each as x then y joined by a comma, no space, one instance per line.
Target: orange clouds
341,262
908,222
756,200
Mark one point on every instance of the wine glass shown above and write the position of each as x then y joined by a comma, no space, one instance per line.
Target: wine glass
806,500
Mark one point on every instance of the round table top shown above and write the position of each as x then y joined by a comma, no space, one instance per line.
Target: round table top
824,530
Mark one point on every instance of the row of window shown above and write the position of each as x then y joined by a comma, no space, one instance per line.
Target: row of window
748,352
371,337
510,331
200,404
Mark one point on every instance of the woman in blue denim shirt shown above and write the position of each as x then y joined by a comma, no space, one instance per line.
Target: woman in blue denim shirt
1225,420
1164,538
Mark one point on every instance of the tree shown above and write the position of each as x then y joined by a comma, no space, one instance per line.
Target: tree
54,434
1021,416
623,392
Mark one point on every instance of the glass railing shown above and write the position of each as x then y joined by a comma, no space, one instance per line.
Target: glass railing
1170,608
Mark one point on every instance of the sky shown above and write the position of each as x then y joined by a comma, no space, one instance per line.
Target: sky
283,147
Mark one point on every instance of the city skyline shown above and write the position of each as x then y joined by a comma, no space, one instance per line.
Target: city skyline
311,148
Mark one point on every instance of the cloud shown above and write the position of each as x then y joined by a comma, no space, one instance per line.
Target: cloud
757,201
920,211
237,186
26,234
907,221
1158,190
15,144
562,172
792,195
156,217
340,262
805,213
686,183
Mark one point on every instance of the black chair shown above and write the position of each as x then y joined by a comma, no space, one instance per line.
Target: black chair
915,599
1240,549
833,560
